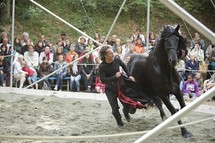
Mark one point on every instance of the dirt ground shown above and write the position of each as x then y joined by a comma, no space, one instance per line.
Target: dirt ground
25,115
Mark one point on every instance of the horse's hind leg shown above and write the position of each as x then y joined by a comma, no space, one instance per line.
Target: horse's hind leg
172,109
158,103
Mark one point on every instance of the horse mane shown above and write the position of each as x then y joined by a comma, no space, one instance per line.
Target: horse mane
182,43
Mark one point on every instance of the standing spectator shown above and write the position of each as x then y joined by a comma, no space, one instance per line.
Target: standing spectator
71,54
46,53
75,74
19,74
61,73
190,88
17,44
87,72
197,38
80,47
31,57
90,45
44,70
139,48
138,35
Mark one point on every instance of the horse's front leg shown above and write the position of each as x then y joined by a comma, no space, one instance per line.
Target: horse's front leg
172,109
158,103
179,96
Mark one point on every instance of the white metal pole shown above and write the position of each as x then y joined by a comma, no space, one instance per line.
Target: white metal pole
189,19
148,25
174,118
12,45
62,20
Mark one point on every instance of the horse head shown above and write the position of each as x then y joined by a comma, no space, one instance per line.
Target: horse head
170,36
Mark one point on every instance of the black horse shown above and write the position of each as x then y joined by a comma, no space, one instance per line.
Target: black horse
156,74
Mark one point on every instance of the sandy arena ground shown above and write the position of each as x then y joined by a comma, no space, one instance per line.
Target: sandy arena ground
25,115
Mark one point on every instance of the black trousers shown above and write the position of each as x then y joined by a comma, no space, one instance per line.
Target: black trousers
112,95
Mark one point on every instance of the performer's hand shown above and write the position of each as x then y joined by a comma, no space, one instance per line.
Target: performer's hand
118,74
132,78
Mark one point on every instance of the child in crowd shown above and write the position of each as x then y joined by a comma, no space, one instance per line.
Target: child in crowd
190,88
32,74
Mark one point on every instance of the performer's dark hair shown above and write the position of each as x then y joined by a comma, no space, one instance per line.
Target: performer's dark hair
102,52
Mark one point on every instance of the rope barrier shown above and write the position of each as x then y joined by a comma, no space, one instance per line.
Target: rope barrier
95,136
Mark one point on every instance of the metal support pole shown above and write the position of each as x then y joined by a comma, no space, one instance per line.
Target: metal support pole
174,118
189,19
12,45
148,25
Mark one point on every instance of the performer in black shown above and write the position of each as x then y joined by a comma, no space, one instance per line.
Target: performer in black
109,71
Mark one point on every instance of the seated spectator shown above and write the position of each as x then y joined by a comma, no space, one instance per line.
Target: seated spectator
66,46
191,66
118,53
25,47
43,41
180,67
15,55
85,37
209,83
152,39
6,42
59,51
71,54
39,47
90,45
80,47
199,80
25,37
99,86
198,38
61,73
17,44
190,88
75,74
3,52
48,54
32,74
3,35
126,49
3,71
197,52
44,70
31,57
139,48
87,72
112,42
19,74
118,44
208,59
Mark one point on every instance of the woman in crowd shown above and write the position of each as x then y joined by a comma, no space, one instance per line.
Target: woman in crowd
45,69
75,74
48,54
71,54
87,72
17,44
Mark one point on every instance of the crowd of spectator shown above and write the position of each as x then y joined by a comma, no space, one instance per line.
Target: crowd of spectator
33,61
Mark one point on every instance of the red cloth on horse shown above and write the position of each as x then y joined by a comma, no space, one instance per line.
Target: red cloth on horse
127,100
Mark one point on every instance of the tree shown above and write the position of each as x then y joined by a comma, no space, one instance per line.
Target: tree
4,10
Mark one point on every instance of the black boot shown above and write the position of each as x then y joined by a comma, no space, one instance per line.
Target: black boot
126,114
118,119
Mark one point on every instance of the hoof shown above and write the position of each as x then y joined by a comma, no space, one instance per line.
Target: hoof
187,135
